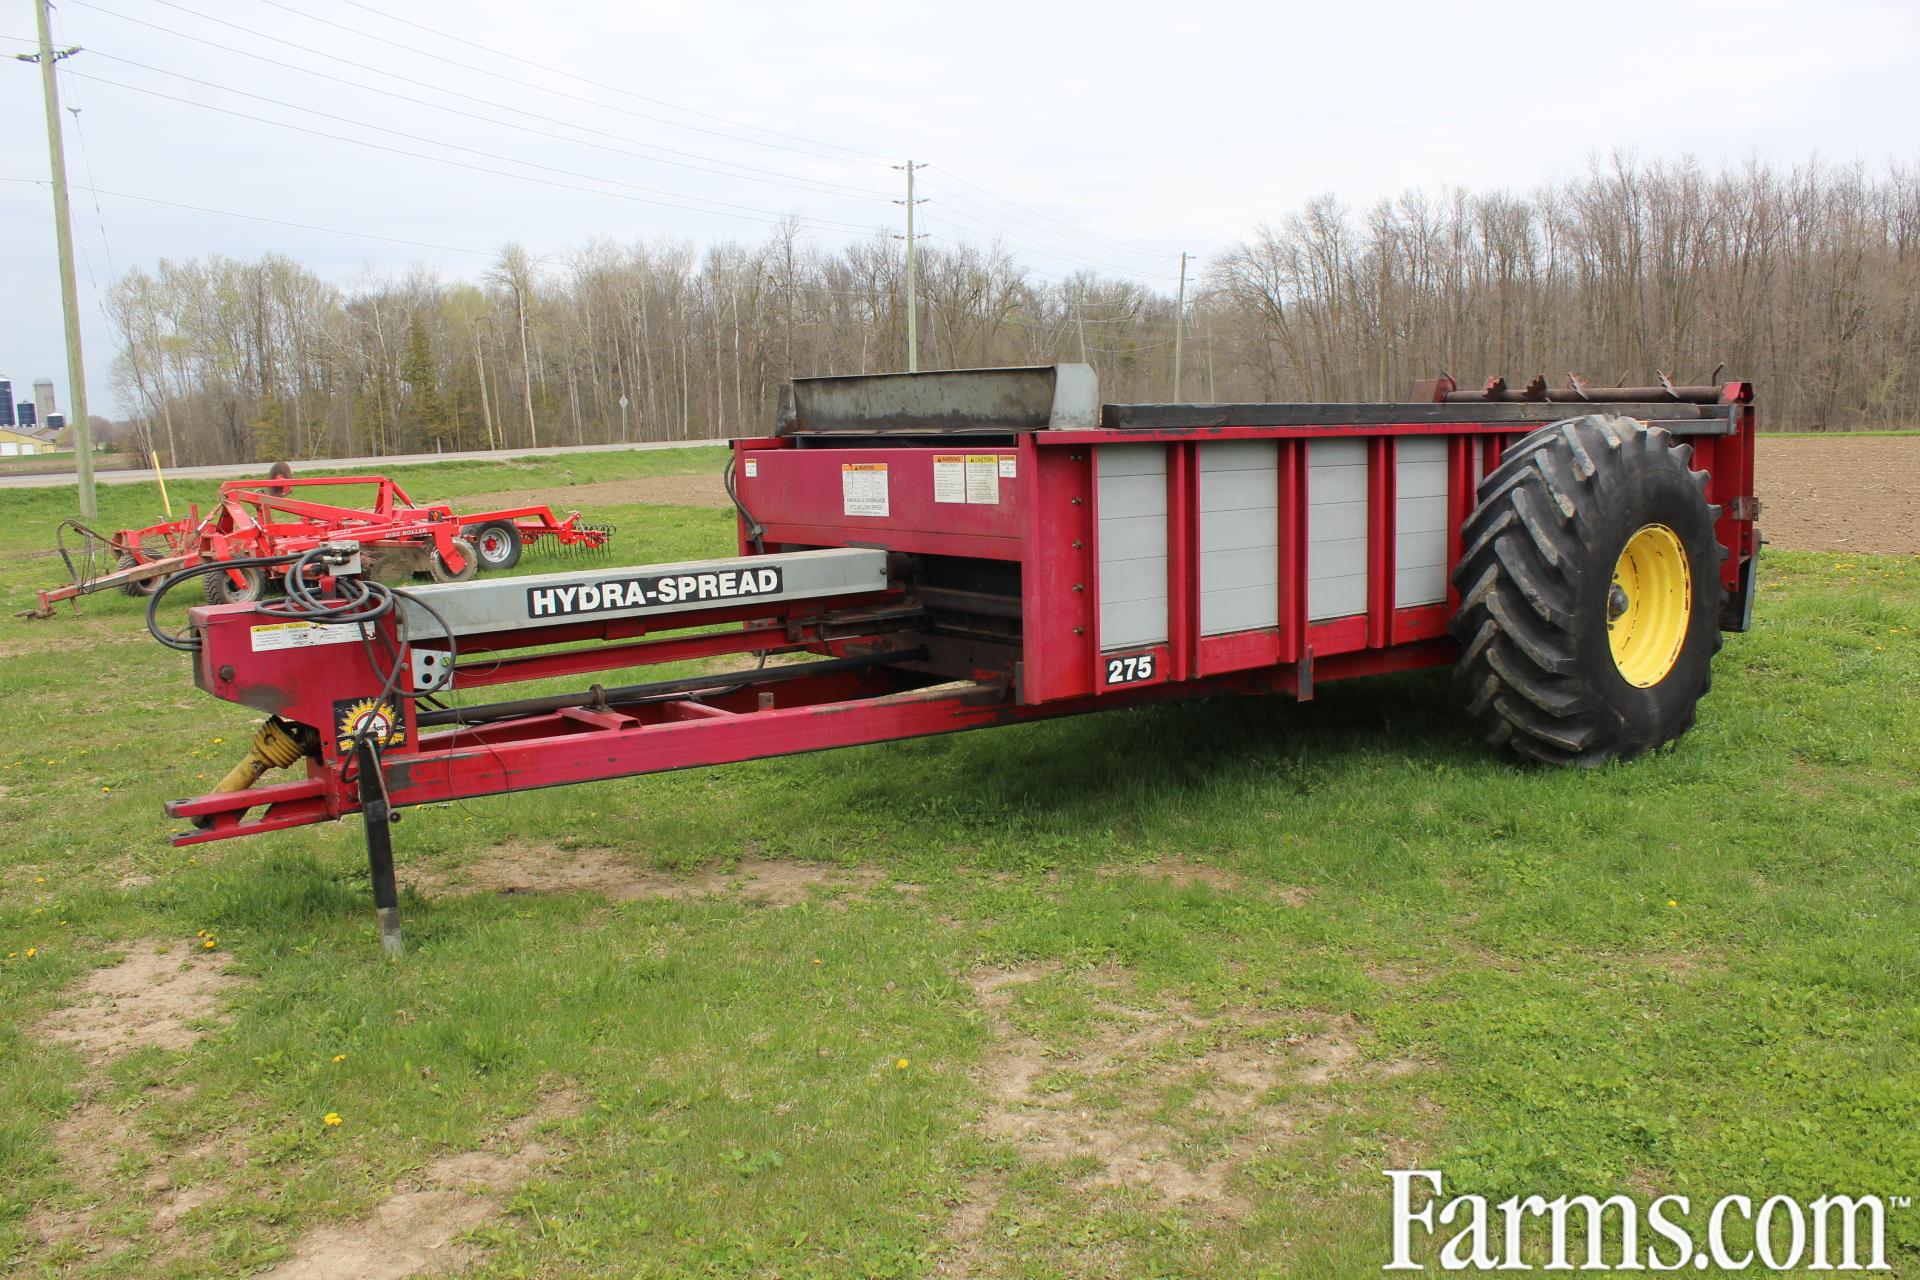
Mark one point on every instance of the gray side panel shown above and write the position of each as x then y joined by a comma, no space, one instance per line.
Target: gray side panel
1336,529
1133,544
1420,522
1239,536
502,604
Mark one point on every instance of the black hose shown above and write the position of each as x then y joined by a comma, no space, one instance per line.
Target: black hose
191,644
755,530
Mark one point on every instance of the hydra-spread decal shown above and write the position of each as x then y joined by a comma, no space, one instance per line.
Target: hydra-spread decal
717,585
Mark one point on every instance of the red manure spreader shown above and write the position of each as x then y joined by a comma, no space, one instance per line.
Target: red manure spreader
276,519
987,547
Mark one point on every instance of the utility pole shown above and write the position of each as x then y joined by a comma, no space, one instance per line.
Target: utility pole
63,238
1211,397
1080,322
913,301
1179,326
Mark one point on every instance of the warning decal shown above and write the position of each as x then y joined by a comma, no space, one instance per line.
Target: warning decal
863,488
949,477
302,635
983,477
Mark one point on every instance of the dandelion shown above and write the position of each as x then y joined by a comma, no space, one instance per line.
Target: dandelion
218,741
200,933
39,879
901,1065
816,960
32,952
104,790
339,1057
208,944
13,955
1673,902
331,1120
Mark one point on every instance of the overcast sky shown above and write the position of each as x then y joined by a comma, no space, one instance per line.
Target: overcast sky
1107,135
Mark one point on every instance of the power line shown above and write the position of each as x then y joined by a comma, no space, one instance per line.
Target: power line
1119,244
750,214
1154,254
573,75
363,124
979,224
454,93
278,222
803,184
1048,251
1058,254
604,106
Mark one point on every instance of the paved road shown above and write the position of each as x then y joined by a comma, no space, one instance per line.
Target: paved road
59,479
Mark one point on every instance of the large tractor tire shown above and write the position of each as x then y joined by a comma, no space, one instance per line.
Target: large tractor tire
1590,593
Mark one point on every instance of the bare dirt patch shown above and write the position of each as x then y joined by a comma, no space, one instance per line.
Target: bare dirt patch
1162,1098
517,868
152,998
158,996
1840,493
1184,873
703,490
416,1228
962,1255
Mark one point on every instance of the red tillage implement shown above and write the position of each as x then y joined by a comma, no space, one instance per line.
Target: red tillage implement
281,517
976,548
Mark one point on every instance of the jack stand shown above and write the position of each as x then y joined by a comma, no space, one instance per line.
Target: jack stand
379,821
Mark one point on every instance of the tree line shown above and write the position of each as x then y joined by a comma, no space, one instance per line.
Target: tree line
1805,280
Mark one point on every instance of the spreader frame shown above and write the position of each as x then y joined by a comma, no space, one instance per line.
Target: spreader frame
980,595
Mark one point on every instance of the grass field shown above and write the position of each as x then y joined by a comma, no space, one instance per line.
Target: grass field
1152,993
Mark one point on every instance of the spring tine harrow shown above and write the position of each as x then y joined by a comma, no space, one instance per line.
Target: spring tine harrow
586,541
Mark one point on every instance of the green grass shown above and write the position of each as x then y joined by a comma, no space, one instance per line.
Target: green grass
1693,973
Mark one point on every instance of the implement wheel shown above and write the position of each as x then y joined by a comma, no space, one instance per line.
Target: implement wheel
141,589
1589,593
219,589
498,544
437,568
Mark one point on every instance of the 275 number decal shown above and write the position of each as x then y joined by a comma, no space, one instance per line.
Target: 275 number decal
1133,669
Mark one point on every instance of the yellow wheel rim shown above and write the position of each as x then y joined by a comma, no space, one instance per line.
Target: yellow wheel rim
1649,605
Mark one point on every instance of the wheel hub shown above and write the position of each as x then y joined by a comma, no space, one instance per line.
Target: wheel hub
1649,605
